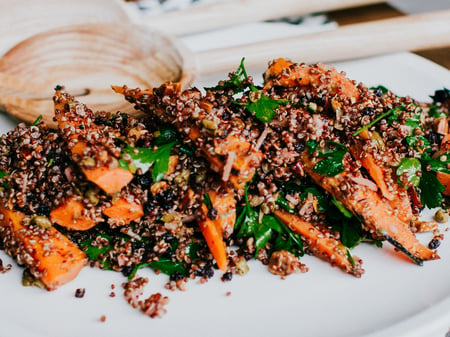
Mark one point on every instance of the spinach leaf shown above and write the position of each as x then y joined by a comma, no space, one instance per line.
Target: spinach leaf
431,189
441,163
94,253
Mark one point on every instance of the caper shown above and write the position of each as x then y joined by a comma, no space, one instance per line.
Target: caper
41,221
441,216
378,140
210,125
29,280
88,162
92,196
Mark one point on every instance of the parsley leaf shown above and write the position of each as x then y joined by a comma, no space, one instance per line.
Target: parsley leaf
431,189
3,174
249,225
333,155
440,163
264,108
144,159
410,166
94,253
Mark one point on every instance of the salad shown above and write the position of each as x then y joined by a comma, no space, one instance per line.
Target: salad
202,181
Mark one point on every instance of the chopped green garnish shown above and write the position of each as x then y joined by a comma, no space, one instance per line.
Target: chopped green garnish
333,155
37,121
264,108
144,159
284,203
340,206
207,201
376,120
95,253
3,174
441,163
410,166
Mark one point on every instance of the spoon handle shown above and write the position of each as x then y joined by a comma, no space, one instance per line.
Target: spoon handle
406,33
234,12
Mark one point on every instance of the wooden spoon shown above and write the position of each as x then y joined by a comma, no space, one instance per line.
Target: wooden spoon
88,59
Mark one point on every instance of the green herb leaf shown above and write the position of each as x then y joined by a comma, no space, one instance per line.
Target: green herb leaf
441,163
207,201
264,108
376,120
94,253
418,143
431,189
284,203
165,136
333,155
340,206
3,174
37,121
322,201
145,158
236,81
410,166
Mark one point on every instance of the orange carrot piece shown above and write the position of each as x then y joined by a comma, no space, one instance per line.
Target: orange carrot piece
287,74
57,259
213,229
444,179
124,210
378,216
320,244
110,180
70,215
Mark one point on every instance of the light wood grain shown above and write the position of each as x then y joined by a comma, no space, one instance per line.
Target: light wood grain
408,33
233,12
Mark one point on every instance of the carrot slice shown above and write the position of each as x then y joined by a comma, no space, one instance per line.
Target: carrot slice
320,244
287,74
70,215
69,114
55,259
223,222
110,180
377,216
124,210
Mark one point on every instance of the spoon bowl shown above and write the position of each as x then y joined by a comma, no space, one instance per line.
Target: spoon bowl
87,59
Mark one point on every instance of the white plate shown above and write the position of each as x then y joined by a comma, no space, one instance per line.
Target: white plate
393,298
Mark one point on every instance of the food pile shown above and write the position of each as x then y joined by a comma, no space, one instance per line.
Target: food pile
308,163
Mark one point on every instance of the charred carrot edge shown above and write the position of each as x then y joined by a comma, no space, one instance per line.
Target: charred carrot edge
213,229
70,215
321,245
285,73
56,257
377,216
124,210
110,180
396,197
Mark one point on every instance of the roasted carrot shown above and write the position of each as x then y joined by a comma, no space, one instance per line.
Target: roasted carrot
321,244
218,220
55,260
70,215
69,115
287,74
124,210
394,195
377,216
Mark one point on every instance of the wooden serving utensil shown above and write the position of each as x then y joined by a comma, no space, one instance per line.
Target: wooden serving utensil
88,59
